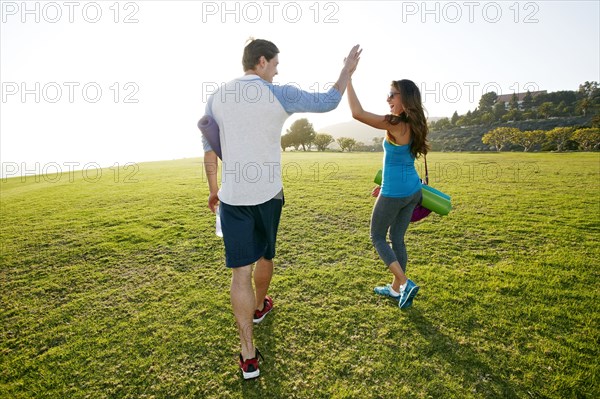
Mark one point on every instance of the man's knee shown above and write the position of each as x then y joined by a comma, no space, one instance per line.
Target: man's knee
264,261
242,273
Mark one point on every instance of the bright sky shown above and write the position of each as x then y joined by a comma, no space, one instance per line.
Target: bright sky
105,82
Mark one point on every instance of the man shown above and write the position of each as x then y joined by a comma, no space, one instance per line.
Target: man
250,112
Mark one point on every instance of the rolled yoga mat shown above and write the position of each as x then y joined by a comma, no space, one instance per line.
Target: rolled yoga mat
436,203
438,192
433,199
210,129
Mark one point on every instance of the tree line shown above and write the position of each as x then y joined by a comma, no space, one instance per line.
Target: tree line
560,138
301,134
585,101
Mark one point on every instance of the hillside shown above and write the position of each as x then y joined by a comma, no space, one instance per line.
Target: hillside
469,138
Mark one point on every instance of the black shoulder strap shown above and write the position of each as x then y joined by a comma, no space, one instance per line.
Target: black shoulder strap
426,171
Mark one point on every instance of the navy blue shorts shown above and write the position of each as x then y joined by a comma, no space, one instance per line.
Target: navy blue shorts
250,232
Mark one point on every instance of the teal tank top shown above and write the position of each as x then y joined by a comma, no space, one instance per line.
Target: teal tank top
400,178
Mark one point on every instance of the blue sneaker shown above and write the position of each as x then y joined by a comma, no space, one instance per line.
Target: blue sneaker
406,298
386,291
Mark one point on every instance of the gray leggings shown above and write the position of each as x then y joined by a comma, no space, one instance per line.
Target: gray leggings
392,214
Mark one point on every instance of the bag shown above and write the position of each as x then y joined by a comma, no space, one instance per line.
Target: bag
420,212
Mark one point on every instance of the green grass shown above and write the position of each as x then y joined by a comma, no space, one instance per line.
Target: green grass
114,287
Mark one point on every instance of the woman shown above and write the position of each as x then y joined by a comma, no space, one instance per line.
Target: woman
406,139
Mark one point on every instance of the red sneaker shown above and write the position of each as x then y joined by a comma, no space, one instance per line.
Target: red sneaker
259,315
249,367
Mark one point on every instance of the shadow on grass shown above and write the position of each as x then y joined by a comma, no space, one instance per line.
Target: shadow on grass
463,361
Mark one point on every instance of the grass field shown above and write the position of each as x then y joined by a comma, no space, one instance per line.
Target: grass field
113,285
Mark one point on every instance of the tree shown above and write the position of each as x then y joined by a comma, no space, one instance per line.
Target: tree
454,118
290,139
529,138
500,137
475,118
562,109
499,110
286,141
588,88
302,133
468,118
487,101
588,138
377,141
360,146
346,143
512,115
589,97
527,101
514,102
559,136
546,110
322,141
487,118
583,105
462,121
541,98
441,124
568,96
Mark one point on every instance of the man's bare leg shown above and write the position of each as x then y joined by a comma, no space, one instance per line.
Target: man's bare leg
243,303
262,280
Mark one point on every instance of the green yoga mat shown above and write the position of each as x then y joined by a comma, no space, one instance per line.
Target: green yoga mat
435,202
433,199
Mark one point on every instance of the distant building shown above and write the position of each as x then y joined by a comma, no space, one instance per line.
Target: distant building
507,98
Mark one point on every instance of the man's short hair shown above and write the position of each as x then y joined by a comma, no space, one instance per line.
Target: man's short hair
256,49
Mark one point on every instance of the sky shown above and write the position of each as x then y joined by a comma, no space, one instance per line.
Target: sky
99,83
